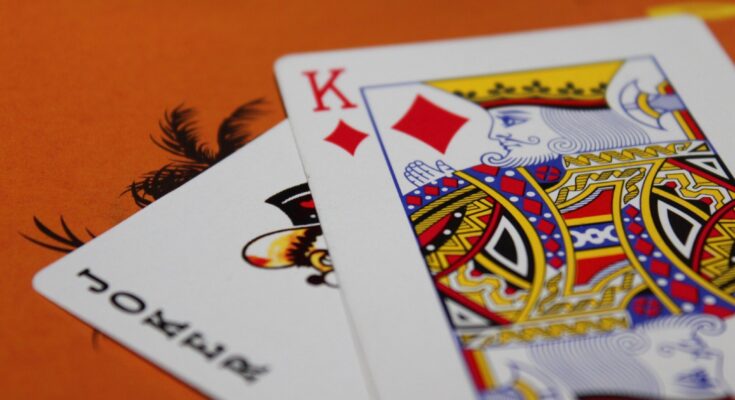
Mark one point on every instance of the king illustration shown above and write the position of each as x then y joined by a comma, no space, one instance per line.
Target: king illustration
567,209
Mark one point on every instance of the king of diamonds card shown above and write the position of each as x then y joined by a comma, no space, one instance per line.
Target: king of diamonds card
574,219
595,207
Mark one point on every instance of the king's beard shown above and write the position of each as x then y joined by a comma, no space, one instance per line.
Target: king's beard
512,160
576,131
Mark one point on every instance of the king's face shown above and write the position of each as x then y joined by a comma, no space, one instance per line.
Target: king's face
522,136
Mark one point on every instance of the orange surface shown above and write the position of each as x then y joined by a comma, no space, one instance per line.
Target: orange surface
83,84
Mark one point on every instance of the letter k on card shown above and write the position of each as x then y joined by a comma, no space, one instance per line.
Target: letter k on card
329,98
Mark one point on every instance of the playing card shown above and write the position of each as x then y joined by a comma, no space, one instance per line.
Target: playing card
540,215
225,282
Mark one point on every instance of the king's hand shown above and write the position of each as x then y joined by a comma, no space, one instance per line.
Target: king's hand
419,173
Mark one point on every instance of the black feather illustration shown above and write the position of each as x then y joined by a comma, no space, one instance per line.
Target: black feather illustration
180,138
65,242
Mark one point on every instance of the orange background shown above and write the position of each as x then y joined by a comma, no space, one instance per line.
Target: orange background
83,85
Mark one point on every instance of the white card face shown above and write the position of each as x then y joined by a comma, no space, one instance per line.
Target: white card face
541,215
225,283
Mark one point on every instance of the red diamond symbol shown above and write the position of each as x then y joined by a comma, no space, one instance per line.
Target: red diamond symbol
659,267
532,206
431,190
685,292
643,246
551,245
512,185
450,182
647,306
486,169
346,137
556,262
719,311
430,123
413,200
546,173
635,228
546,226
631,211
